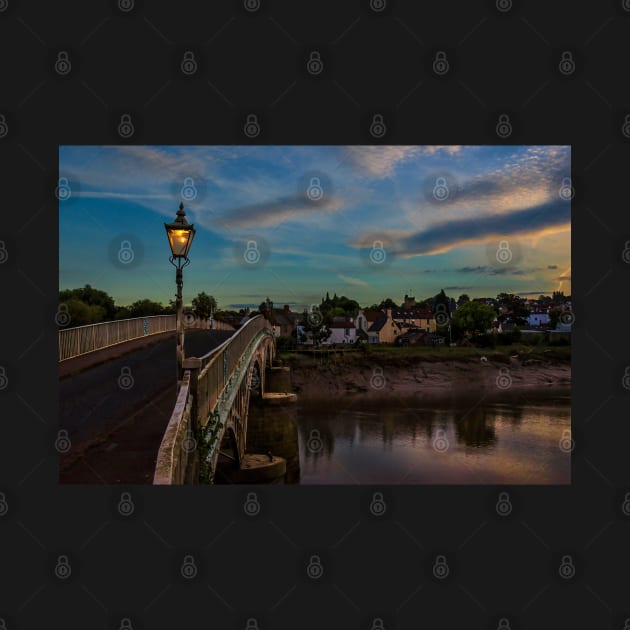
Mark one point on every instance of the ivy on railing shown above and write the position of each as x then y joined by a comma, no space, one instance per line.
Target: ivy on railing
206,440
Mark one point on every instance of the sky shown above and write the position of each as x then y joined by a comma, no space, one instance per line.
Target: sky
294,222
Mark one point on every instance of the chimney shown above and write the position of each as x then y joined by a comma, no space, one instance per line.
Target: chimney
389,313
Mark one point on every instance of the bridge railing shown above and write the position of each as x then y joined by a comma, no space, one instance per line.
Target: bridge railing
173,464
83,339
218,365
74,342
200,390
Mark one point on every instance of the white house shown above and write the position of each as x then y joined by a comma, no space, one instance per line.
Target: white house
343,330
538,319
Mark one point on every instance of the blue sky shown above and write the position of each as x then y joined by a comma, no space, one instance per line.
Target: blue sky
390,220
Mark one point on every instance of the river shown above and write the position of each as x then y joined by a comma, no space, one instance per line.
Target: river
398,441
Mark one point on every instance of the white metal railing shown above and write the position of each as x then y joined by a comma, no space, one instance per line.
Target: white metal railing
74,342
213,373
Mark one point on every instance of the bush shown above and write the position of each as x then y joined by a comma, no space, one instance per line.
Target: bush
486,340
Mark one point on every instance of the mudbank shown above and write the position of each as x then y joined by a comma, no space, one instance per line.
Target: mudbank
383,376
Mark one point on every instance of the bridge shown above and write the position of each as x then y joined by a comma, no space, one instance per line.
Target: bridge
208,422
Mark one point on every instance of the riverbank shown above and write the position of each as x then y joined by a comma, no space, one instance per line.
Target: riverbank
380,372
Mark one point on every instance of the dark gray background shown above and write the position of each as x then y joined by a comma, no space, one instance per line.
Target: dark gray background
255,567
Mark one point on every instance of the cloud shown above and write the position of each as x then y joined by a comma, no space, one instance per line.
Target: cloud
273,212
441,237
380,161
457,288
355,281
95,194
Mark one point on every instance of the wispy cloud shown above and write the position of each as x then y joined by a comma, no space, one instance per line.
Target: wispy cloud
269,213
380,161
355,281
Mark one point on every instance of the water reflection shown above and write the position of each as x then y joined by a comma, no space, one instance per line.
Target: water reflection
393,442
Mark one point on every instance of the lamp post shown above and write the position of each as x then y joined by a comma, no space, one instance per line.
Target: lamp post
180,235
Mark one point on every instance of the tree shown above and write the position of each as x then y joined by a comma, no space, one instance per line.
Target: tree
517,310
387,303
462,299
145,308
316,326
474,317
204,304
92,297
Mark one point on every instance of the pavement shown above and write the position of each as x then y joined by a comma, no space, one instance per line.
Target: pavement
116,412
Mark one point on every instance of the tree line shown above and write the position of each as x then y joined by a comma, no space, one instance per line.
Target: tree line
88,305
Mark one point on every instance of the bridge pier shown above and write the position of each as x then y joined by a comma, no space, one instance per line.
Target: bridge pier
272,423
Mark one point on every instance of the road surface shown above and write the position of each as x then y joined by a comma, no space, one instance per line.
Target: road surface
116,412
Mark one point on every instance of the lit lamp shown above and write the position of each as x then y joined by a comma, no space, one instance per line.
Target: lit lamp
180,237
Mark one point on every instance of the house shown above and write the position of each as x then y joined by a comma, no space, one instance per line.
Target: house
538,318
384,329
414,336
284,320
361,322
343,330
415,317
